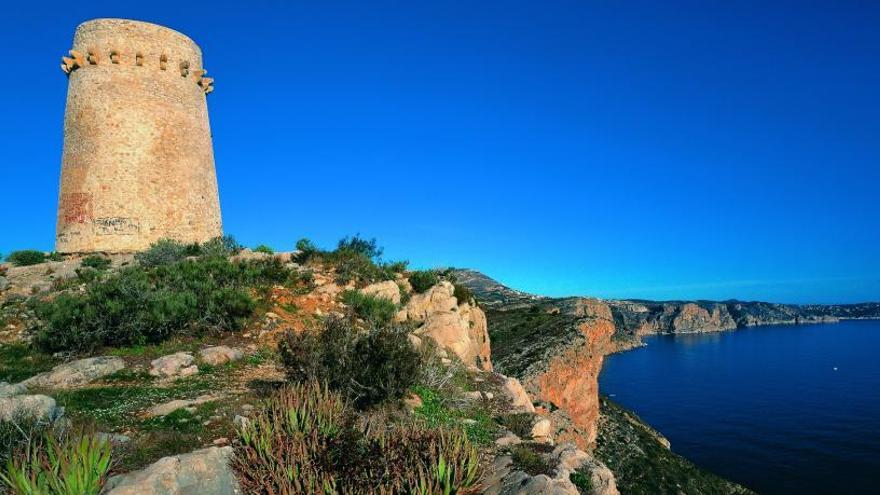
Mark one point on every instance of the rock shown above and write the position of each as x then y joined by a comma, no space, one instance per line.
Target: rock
114,438
564,461
507,439
39,407
220,441
220,354
460,329
76,373
570,459
542,431
204,471
10,389
568,378
171,406
4,283
519,398
240,421
473,395
177,364
387,290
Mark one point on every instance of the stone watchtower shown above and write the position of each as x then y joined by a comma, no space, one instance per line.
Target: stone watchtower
138,164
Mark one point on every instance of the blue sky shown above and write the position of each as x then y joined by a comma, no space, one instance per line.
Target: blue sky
653,150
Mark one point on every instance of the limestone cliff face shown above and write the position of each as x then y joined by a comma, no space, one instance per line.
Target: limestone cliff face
557,351
460,328
691,317
570,379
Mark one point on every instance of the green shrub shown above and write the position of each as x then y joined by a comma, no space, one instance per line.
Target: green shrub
26,257
262,248
377,310
225,246
463,295
367,367
355,259
96,261
582,481
140,305
526,459
304,441
162,252
59,465
423,280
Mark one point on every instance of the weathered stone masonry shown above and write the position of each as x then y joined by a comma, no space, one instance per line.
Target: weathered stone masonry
138,163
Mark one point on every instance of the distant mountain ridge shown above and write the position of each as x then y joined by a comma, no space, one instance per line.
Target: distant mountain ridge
636,317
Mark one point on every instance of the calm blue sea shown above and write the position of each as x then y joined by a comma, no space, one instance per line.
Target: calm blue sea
779,409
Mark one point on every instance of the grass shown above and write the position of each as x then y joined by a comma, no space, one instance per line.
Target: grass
20,361
436,413
115,407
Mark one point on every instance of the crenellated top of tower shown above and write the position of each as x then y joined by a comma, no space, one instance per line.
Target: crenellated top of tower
134,43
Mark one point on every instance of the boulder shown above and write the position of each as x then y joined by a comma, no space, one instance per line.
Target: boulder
387,290
203,472
171,406
520,400
220,354
460,329
174,365
9,389
39,407
4,283
76,373
542,431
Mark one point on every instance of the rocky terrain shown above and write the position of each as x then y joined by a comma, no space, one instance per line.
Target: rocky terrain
176,411
634,318
555,347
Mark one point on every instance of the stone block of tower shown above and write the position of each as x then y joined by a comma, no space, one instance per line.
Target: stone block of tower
138,163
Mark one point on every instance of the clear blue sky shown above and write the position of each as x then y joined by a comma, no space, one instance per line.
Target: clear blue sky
653,149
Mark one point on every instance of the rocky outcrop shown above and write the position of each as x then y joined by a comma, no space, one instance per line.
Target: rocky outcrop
458,328
204,471
220,354
387,290
39,407
570,379
691,317
506,479
179,364
556,351
169,407
76,373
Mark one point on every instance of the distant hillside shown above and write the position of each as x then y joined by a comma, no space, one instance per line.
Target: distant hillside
635,317
492,293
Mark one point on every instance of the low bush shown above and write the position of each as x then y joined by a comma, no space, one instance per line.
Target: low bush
168,251
423,280
355,259
262,248
376,310
582,481
304,442
96,262
463,295
26,257
368,367
58,463
527,459
163,252
140,305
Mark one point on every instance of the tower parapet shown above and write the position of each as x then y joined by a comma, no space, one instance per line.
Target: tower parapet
138,162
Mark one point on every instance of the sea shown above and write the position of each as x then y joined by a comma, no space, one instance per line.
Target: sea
782,409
